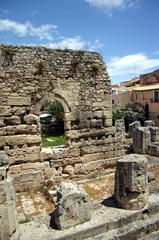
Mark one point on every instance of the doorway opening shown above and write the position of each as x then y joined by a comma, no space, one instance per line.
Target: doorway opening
52,124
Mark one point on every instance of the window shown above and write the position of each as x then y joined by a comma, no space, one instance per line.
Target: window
156,96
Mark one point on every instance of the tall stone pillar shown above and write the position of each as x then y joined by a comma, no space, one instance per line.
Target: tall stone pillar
141,139
131,182
8,220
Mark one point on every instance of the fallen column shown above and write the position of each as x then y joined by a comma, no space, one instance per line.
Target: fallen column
72,207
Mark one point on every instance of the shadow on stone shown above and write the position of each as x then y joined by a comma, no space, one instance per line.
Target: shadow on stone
52,221
109,202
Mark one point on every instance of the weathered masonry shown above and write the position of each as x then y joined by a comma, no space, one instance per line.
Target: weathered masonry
79,81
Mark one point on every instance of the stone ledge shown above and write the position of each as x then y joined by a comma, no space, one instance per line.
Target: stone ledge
106,221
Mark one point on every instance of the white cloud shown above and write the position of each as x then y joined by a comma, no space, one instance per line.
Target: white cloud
109,5
132,64
48,32
75,43
27,29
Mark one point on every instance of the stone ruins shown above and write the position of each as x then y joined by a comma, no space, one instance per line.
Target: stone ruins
79,81
145,139
94,149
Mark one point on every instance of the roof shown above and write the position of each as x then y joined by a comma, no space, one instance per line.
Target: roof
146,87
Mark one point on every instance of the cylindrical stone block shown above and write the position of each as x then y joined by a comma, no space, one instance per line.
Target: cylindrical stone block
131,182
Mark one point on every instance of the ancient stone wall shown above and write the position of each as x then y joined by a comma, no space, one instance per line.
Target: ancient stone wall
79,81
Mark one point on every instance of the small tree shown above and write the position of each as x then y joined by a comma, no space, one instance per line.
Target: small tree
130,112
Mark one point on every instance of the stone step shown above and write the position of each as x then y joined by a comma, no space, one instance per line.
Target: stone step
107,222
138,230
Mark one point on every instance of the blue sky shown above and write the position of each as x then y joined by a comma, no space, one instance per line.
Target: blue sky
125,32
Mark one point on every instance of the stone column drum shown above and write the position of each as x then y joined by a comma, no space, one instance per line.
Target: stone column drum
131,182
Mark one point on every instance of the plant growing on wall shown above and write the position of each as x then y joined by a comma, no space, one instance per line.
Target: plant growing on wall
40,68
7,56
94,70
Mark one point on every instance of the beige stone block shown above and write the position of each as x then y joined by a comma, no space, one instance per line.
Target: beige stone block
15,169
31,139
92,157
19,101
24,158
16,140
5,110
96,149
3,131
28,180
2,141
21,129
33,166
31,119
2,122
107,114
13,120
71,161
79,169
108,122
92,166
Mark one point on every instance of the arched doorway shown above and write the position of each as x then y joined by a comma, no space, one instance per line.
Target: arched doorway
52,104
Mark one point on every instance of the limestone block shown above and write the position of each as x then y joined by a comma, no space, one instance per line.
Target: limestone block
96,123
5,111
68,170
93,157
98,114
79,169
25,158
18,129
72,207
149,123
133,126
8,220
19,110
154,134
2,124
19,101
141,139
107,114
153,149
3,131
23,139
28,180
131,182
16,140
13,120
2,141
108,122
4,160
31,119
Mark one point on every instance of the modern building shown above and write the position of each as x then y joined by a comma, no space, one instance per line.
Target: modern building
143,90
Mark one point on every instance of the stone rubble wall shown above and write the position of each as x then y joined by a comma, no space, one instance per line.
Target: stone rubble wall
79,81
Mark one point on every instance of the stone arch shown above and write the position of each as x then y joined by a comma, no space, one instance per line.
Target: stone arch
55,96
